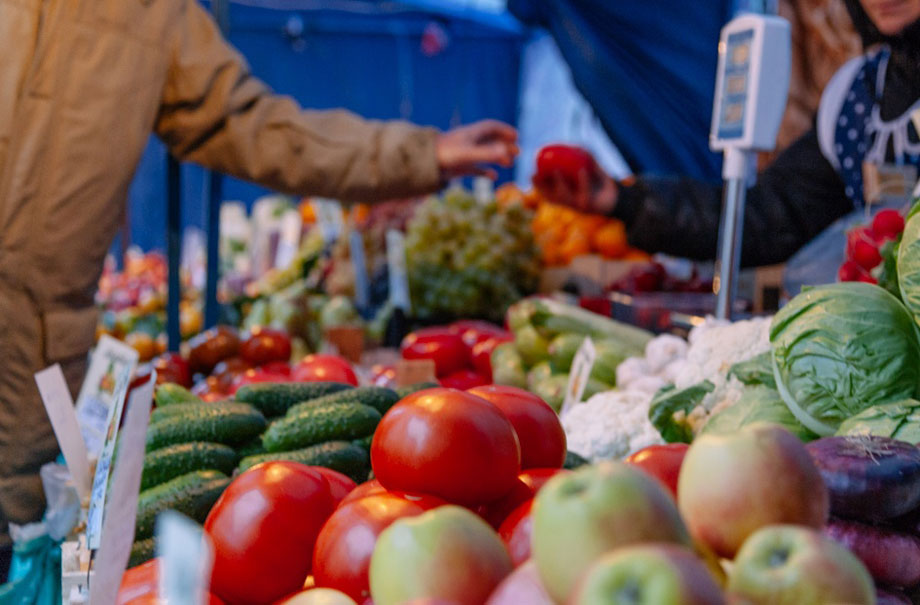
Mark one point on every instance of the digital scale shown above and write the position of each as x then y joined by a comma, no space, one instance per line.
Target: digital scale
752,84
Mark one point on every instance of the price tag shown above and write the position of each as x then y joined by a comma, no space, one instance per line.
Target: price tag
483,189
288,238
104,465
414,371
58,403
117,530
396,265
359,262
348,341
582,365
97,395
330,218
186,559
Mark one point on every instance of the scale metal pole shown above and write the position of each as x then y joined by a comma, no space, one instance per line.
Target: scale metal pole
731,231
173,250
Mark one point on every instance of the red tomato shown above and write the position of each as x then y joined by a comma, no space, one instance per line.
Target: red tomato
339,485
277,367
529,483
474,331
227,370
565,160
516,532
850,271
866,254
482,354
255,376
537,426
662,462
343,550
211,347
140,586
888,223
324,368
263,529
373,488
463,380
441,346
172,367
263,345
449,444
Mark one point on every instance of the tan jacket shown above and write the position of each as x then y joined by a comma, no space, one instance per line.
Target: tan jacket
82,85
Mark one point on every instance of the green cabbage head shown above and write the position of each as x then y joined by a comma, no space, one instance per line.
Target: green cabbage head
841,348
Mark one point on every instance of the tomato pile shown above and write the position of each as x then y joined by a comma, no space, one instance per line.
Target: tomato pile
866,247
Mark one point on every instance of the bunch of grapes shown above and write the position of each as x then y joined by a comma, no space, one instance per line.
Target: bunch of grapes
469,259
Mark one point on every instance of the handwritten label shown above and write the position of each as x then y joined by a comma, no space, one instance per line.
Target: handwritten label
121,513
398,275
582,365
186,559
107,366
104,465
359,262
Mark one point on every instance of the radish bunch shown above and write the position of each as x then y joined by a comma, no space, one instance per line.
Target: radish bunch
864,249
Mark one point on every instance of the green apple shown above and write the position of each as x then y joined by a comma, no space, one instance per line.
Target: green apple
581,516
791,565
648,574
522,586
448,553
732,485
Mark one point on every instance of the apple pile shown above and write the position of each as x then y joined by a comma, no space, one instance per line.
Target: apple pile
221,360
874,485
865,246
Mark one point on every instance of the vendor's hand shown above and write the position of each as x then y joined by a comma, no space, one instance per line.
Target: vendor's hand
468,150
593,191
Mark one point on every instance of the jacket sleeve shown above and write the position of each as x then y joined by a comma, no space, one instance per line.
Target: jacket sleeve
794,199
215,113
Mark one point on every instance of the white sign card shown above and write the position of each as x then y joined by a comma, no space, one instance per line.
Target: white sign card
104,464
582,365
398,275
359,262
121,513
186,558
111,361
330,218
289,238
59,405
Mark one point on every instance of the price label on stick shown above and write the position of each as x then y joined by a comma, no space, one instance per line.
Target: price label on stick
117,531
186,558
582,365
58,403
396,265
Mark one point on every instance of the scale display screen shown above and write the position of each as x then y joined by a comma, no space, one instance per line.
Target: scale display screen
735,82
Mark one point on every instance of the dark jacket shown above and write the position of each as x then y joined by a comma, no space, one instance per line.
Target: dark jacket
793,200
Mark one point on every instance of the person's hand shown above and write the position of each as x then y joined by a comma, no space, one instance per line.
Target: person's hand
593,191
468,150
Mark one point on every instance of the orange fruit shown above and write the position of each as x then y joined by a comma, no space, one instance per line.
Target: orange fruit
573,246
307,214
610,240
143,343
636,255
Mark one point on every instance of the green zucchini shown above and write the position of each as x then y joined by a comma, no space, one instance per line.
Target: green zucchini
330,422
341,456
206,423
192,494
161,414
181,458
379,398
274,398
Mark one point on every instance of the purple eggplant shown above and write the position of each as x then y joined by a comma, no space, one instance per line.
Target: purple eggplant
869,478
890,596
892,558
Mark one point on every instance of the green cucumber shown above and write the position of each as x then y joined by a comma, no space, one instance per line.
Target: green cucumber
341,456
274,398
365,442
141,552
379,398
330,422
170,393
192,494
415,388
206,423
161,414
181,458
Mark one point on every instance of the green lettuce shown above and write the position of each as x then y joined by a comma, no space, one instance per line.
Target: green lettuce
757,404
841,348
670,401
908,265
754,371
899,420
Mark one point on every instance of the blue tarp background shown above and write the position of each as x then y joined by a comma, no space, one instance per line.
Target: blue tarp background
646,68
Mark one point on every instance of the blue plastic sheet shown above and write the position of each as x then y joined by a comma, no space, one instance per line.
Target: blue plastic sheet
35,574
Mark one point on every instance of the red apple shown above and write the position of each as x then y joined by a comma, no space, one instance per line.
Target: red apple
523,586
732,485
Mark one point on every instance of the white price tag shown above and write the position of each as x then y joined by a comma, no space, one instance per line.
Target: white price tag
582,365
359,262
121,514
396,265
104,464
483,189
186,558
330,218
97,395
59,404
288,238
